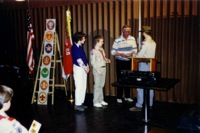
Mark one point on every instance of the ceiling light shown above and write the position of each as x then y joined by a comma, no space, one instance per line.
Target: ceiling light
19,0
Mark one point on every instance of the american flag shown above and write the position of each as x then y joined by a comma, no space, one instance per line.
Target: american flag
30,38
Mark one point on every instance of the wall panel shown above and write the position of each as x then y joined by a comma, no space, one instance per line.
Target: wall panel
111,35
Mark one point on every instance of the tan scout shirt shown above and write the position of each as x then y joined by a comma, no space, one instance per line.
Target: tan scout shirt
98,59
10,125
148,49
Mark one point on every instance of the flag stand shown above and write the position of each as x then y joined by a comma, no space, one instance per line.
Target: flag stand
71,97
68,65
54,61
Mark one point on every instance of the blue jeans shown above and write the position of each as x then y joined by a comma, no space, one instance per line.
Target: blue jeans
143,66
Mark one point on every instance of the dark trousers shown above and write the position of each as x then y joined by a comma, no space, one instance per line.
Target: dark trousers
122,65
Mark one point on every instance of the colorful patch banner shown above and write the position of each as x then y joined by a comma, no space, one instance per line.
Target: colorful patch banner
51,25
45,69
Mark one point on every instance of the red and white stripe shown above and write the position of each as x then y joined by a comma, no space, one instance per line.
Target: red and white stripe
30,37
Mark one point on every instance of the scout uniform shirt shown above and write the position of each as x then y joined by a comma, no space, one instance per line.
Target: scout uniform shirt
98,59
148,49
10,125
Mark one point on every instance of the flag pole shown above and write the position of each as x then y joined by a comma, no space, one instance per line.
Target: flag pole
31,76
68,35
139,26
71,97
70,78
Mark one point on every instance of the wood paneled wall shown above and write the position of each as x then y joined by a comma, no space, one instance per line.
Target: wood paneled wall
175,28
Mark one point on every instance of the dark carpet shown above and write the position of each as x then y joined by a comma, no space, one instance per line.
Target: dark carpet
115,118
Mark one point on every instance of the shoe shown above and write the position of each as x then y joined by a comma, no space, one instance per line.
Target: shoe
128,99
104,103
98,105
119,100
79,108
84,106
135,109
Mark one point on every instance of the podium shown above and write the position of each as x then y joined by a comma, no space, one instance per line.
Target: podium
163,85
134,63
134,67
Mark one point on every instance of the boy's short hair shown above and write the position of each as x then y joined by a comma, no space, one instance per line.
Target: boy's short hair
96,39
78,36
6,94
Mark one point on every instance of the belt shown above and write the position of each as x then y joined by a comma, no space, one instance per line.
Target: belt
103,66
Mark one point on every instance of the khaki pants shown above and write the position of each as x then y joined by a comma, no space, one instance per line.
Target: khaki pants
99,82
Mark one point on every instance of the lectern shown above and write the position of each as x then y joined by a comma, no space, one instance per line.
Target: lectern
134,67
134,63
163,85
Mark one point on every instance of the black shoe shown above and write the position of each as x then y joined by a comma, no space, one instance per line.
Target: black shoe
135,109
84,106
79,108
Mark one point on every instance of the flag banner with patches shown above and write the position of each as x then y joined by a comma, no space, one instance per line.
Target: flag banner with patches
30,38
67,57
51,25
49,42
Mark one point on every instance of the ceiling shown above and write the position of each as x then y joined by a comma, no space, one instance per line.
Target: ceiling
13,4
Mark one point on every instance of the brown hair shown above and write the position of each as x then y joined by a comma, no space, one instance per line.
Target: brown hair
96,39
126,26
78,36
6,94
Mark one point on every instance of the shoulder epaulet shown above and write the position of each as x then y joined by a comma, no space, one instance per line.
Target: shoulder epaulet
1,117
11,118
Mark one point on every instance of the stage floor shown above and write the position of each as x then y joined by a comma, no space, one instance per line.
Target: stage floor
115,118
